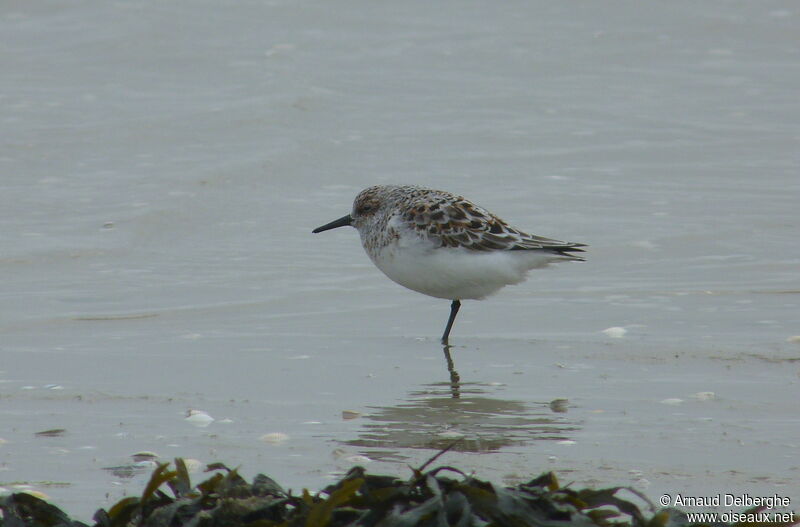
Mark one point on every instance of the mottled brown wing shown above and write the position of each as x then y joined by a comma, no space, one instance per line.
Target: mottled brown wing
452,221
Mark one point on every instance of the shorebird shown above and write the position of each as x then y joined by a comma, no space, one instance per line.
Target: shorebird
443,245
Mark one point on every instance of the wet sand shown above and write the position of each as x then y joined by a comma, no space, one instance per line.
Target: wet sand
163,168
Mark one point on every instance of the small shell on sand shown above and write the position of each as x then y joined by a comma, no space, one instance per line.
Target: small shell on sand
615,332
275,438
198,418
358,459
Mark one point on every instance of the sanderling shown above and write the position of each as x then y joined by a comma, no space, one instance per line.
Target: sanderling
445,246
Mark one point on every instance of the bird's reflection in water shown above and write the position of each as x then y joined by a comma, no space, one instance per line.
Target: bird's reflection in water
439,413
455,378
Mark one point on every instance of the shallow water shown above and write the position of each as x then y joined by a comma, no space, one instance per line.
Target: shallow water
161,168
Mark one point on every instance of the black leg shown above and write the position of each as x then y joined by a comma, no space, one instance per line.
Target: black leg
453,312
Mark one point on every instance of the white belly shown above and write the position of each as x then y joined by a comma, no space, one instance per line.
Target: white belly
455,273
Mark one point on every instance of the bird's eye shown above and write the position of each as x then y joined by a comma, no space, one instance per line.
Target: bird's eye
365,209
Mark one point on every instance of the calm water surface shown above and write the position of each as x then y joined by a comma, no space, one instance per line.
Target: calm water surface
161,168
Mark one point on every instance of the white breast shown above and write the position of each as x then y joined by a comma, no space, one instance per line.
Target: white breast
451,273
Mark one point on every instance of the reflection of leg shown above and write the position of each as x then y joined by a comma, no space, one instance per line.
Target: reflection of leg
453,312
455,378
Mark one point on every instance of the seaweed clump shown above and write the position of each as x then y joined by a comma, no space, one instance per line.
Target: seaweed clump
428,498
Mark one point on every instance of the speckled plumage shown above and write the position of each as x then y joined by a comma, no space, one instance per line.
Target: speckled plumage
443,245
445,219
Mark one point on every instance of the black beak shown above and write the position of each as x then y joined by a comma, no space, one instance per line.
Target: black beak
341,222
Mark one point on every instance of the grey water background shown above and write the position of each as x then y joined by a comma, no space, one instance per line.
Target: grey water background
162,166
